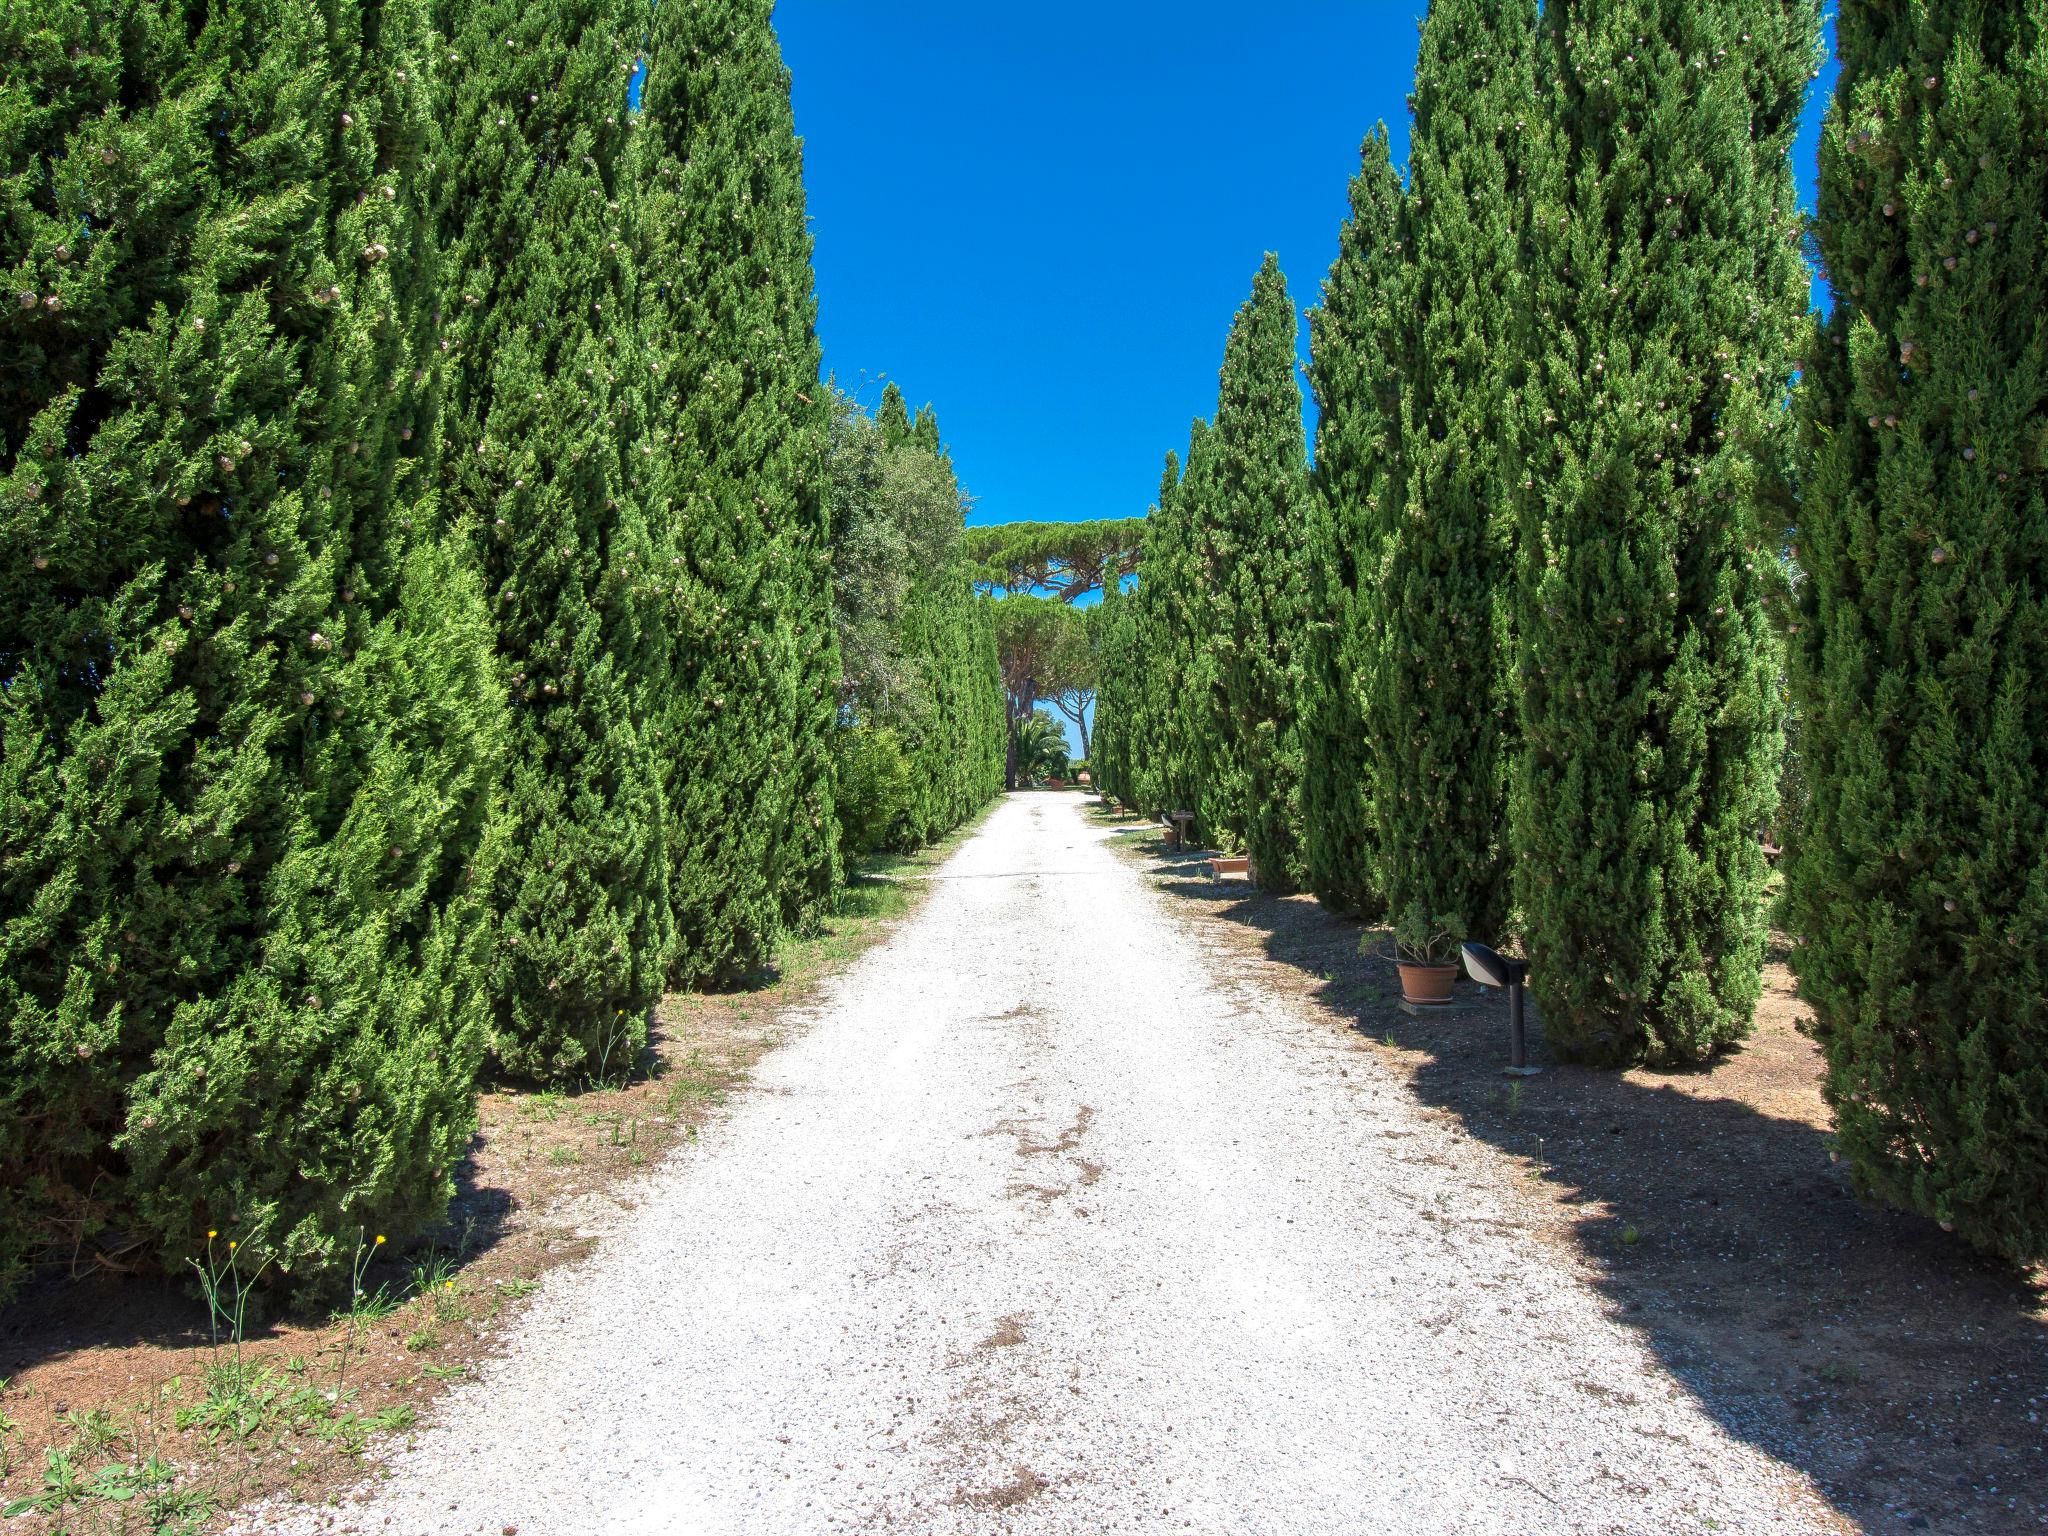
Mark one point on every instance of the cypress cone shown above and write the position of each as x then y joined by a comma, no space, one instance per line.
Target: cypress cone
1669,295
733,477
250,720
1355,354
1442,589
1918,883
538,420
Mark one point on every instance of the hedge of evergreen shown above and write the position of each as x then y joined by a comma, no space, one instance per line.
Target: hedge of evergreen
417,634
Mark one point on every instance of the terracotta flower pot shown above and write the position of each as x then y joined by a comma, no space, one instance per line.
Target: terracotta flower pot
1426,986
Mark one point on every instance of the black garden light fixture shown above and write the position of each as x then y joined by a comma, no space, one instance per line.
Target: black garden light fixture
1491,969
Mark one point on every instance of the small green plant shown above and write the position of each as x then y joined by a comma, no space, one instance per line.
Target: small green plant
1630,1236
445,1372
8,1430
1390,1040
1840,1374
227,1290
364,1307
94,1429
521,1287
615,1053
1421,939
1514,1105
563,1157
422,1341
433,1272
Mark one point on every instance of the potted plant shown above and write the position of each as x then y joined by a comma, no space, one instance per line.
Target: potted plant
1426,955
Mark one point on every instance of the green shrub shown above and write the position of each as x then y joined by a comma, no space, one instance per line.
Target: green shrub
877,793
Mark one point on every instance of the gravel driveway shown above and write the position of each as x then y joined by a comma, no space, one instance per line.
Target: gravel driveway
1041,1225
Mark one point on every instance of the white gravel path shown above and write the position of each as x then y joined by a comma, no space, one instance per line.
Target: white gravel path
1041,1226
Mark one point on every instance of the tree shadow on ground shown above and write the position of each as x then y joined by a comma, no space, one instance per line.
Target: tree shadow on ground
1906,1375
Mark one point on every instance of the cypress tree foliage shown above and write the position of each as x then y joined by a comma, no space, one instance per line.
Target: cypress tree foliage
1670,293
1442,590
733,476
1355,359
914,742
249,716
537,428
1173,622
1112,760
1920,653
1254,502
893,417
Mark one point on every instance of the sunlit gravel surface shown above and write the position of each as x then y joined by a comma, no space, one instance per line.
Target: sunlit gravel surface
1044,1224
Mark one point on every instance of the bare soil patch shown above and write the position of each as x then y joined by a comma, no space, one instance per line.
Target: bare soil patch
1906,1374
115,1415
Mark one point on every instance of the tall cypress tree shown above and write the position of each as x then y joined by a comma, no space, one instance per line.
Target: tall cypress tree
249,715
1355,359
1919,886
1253,538
537,428
1442,590
1670,294
734,479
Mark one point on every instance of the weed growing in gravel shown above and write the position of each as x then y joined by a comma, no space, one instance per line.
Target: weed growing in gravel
445,1372
563,1157
521,1287
227,1291
146,1483
8,1430
364,1307
423,1341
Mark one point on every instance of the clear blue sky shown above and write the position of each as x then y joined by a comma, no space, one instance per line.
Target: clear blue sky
1041,218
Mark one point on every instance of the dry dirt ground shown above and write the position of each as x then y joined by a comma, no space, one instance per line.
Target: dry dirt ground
1905,1375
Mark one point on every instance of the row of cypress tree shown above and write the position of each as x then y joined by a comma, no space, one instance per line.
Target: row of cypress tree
1557,501
416,634
922,743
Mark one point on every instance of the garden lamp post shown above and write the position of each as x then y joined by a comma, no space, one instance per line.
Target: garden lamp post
1491,969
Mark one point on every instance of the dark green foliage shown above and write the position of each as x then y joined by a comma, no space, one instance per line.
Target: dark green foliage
1918,881
1115,751
538,428
1441,591
733,477
1355,358
1669,295
1067,560
1251,498
1041,747
921,743
249,720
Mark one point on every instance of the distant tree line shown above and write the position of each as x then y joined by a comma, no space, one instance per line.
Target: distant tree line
430,623
1512,659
